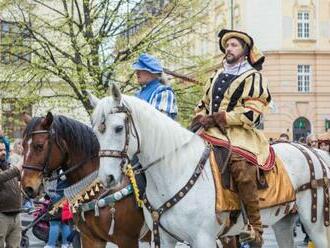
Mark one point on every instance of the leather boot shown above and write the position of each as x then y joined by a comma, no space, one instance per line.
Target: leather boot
245,180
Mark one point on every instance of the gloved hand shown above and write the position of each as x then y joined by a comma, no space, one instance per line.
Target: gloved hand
195,123
220,121
208,122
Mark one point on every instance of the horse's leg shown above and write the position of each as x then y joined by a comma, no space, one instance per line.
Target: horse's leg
165,240
283,230
317,232
204,240
229,242
88,241
127,243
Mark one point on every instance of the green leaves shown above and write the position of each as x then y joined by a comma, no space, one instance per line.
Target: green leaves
74,46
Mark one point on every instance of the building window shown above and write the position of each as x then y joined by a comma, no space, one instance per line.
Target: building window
304,78
303,23
14,43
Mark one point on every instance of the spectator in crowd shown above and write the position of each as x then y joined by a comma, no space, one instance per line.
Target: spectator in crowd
10,201
57,223
324,141
312,141
16,152
284,137
302,140
6,142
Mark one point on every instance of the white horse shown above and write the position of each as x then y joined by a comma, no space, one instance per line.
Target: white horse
174,153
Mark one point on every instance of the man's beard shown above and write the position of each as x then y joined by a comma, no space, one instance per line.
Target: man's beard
232,59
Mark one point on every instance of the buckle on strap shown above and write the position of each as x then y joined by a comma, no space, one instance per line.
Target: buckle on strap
155,216
326,182
314,184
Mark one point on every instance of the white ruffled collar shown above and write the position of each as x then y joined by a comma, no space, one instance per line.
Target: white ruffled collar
237,69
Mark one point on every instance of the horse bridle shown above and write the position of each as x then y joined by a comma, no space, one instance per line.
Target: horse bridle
44,167
123,155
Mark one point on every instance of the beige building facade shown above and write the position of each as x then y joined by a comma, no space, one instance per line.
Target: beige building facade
295,37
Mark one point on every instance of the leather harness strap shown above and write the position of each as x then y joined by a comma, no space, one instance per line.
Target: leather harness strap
314,183
157,213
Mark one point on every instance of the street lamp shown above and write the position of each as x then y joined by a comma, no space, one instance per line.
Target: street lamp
232,13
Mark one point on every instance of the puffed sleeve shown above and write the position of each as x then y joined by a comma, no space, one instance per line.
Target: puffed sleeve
165,102
255,99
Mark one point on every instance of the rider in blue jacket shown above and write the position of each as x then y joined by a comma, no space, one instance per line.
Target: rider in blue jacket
154,90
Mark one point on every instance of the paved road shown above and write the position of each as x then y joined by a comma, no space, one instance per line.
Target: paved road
269,238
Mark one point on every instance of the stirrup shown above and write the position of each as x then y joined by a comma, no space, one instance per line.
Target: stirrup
248,234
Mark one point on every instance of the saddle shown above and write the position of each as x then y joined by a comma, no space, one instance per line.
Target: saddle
275,190
221,157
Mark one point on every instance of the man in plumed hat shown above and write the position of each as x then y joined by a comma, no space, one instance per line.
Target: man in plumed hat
230,110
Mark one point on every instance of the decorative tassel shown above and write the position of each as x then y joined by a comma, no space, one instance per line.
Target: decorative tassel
112,226
97,189
83,216
92,193
86,197
96,210
130,174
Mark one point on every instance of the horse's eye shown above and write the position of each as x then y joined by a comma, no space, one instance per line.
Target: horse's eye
38,147
118,129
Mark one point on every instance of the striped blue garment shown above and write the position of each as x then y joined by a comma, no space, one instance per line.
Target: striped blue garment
160,96
164,100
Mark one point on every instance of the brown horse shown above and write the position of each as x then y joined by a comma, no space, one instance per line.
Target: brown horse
57,142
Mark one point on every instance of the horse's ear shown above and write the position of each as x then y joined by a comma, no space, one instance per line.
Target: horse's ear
93,100
26,118
115,92
47,122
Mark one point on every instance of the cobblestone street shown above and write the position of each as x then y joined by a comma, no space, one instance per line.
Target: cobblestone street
269,238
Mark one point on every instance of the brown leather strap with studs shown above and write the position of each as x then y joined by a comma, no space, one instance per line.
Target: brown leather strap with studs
314,183
157,213
325,184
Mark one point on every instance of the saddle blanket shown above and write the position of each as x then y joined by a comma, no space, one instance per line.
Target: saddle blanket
269,164
278,192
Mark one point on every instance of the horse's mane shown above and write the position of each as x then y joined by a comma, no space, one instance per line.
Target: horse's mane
168,133
79,137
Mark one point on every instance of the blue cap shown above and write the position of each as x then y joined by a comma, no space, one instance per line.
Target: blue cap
147,62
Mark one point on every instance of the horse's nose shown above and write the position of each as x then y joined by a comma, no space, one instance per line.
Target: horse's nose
29,192
109,180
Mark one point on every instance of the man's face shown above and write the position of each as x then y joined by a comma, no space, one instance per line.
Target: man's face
2,151
313,142
144,77
234,51
325,147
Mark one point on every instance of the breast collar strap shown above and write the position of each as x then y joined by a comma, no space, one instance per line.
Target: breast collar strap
157,213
